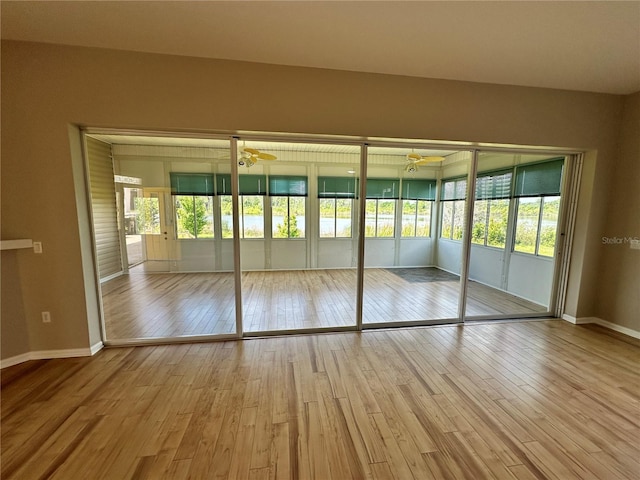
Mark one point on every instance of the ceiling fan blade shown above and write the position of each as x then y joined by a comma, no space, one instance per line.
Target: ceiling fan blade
252,151
424,160
414,156
266,156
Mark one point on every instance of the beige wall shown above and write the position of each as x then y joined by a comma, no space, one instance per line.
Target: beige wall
14,335
619,282
46,88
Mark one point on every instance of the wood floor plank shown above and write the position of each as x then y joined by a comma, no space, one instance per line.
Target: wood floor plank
143,305
524,400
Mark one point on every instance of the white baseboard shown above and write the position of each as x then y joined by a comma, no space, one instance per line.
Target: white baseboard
49,354
603,323
11,361
96,347
112,276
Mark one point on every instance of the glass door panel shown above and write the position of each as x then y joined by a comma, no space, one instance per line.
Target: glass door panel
299,235
414,227
179,281
514,233
133,197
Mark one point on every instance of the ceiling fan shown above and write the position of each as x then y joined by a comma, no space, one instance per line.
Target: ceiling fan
249,156
414,160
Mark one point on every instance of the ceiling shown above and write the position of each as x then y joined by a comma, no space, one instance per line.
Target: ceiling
589,46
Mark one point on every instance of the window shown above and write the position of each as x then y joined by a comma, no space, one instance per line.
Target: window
538,192
336,196
417,201
147,210
193,202
287,206
194,216
454,192
252,189
491,209
380,207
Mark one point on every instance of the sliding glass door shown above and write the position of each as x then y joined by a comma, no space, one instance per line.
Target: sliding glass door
414,231
427,242
298,235
514,235
166,270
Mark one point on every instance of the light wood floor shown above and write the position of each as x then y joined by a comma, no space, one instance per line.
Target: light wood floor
178,304
528,400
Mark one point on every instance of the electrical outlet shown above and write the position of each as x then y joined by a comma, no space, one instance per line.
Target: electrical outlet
46,317
37,247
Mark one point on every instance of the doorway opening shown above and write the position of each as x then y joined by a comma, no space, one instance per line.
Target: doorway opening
225,237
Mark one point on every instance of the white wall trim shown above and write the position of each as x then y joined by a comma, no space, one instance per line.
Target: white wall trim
49,354
11,361
603,323
112,276
96,347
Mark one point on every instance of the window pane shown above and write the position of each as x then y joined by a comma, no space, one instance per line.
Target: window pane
458,220
550,209
253,216
498,216
279,219
148,214
409,218
327,217
447,219
226,211
527,225
370,218
343,217
386,218
423,226
194,216
479,230
296,217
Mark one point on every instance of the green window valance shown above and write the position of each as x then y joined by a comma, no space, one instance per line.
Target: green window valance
191,183
337,187
252,184
454,188
387,188
419,189
494,185
287,185
223,184
538,179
